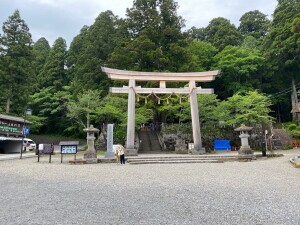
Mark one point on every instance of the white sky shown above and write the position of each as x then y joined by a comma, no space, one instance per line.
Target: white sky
64,18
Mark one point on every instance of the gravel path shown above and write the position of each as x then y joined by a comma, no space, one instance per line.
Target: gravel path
257,192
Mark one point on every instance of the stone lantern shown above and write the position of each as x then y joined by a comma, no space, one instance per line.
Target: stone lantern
91,156
245,149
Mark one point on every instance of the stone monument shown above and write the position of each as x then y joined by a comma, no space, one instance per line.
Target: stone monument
245,149
110,141
91,156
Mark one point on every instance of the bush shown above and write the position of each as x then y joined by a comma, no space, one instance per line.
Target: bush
288,147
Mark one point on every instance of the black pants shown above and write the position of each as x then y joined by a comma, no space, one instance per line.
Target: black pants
122,159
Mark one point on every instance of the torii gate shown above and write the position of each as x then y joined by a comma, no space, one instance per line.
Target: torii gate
132,89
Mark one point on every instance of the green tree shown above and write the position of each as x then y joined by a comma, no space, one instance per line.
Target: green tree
41,50
202,55
281,48
255,24
207,107
53,95
241,69
15,60
221,33
50,105
54,72
250,43
247,108
157,41
197,33
281,45
83,109
90,50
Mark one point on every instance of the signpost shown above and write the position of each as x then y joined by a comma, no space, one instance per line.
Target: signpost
68,147
26,112
45,149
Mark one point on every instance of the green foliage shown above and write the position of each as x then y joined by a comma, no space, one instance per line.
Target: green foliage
202,55
250,42
51,104
157,43
281,45
112,109
40,51
53,72
288,147
245,108
221,33
255,24
90,50
37,123
15,64
294,130
83,109
120,133
241,69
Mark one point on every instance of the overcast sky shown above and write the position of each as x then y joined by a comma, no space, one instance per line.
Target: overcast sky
64,18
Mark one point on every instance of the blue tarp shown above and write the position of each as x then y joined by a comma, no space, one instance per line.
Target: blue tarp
222,145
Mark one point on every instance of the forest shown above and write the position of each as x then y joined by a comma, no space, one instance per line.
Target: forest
66,89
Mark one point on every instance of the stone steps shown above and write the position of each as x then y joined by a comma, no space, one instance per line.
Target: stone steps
181,159
149,141
173,161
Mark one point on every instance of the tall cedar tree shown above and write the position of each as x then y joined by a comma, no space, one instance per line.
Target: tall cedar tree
15,56
53,72
51,100
157,42
90,50
282,51
41,50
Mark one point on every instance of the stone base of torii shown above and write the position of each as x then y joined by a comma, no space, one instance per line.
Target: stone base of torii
132,90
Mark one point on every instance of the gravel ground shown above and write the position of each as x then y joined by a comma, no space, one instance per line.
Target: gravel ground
257,192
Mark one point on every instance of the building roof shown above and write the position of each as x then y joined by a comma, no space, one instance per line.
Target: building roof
13,118
2,138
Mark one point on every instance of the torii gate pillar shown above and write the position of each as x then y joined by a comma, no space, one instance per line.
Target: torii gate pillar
130,150
198,149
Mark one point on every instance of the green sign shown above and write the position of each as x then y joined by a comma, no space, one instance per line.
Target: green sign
10,127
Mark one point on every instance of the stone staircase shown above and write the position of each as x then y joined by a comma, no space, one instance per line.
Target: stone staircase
150,142
173,159
283,136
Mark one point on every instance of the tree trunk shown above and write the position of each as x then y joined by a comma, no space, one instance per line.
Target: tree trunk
7,105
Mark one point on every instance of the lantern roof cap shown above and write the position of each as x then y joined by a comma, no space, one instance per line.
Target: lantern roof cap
243,127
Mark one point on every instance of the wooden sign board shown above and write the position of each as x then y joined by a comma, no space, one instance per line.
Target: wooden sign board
45,149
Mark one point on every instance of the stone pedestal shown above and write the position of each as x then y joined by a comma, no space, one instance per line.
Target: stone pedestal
131,152
197,151
91,156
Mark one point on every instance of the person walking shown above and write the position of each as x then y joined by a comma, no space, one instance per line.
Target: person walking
121,151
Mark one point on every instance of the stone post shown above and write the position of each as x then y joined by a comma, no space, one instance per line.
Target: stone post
110,141
130,150
91,156
198,149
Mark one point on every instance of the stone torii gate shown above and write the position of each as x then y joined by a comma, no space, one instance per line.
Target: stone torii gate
132,89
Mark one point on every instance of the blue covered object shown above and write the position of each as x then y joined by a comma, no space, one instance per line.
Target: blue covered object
222,145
